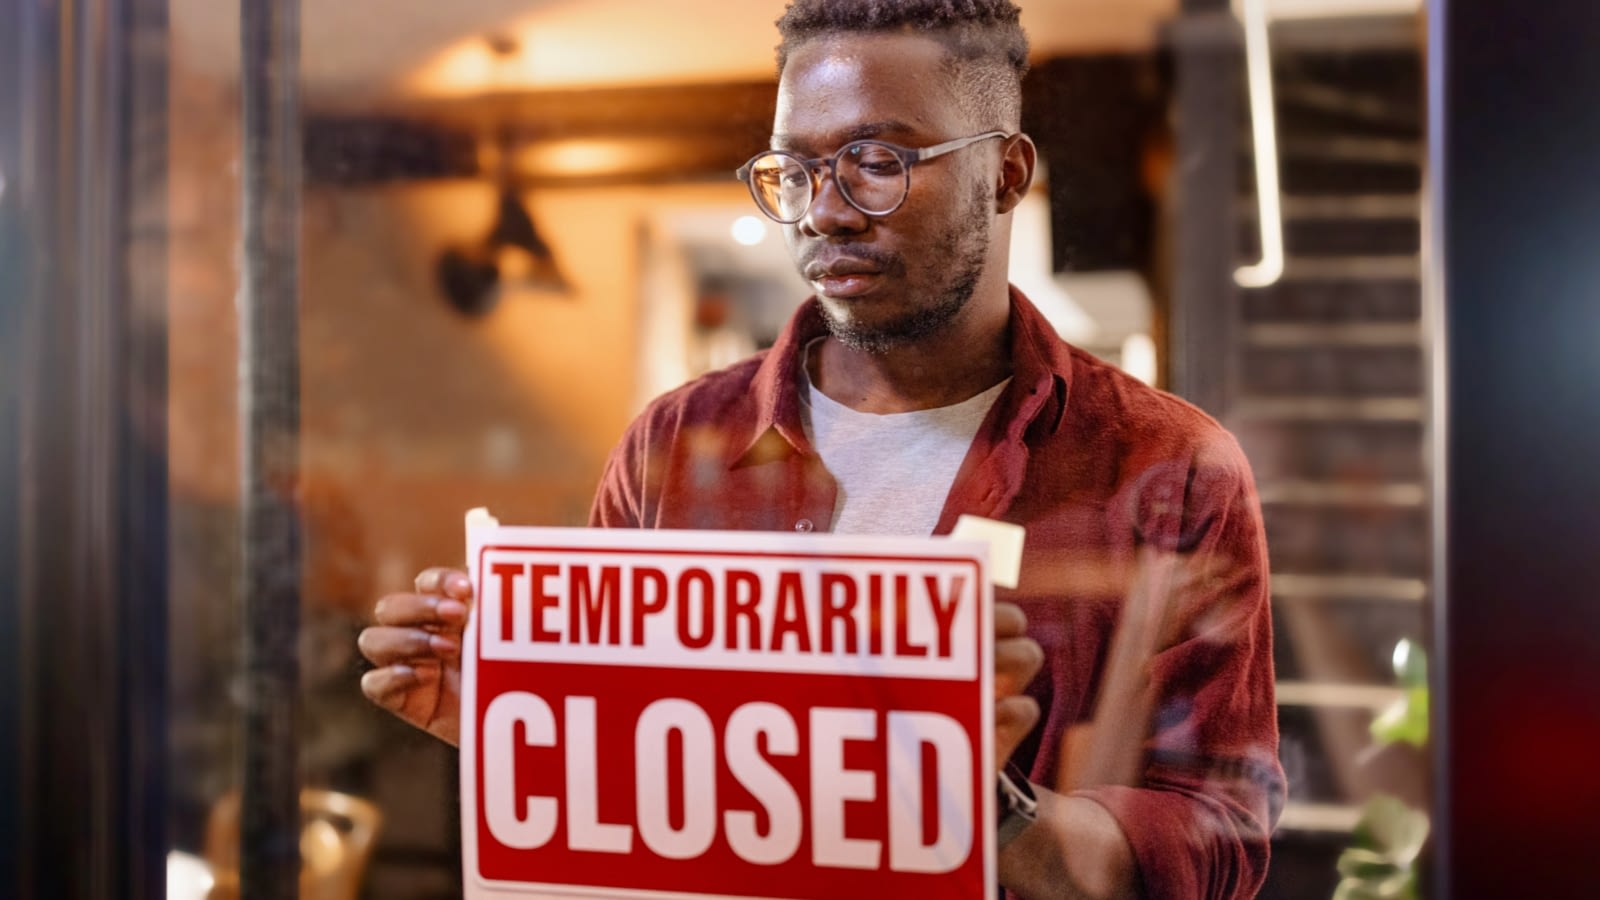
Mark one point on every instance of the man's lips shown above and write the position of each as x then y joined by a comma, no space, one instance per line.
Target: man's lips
843,286
844,276
840,266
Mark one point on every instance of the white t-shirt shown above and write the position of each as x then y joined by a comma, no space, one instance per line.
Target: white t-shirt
894,471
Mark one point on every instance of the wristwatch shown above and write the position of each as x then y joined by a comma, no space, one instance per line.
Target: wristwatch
1017,806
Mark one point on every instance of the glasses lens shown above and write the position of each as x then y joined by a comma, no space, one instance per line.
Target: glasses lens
781,185
872,176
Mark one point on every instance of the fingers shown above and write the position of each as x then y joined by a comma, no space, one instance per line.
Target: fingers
388,645
1014,718
452,583
1016,661
391,687
417,636
1017,657
439,606
421,610
1009,621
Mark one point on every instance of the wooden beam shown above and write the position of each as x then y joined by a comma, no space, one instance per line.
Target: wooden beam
561,138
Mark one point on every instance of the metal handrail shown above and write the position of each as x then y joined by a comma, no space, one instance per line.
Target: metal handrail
1264,132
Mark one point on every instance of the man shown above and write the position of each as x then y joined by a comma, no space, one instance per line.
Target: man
916,386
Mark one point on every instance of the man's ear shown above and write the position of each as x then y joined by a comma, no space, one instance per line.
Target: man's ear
1016,172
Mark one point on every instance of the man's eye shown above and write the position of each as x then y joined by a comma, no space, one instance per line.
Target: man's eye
875,160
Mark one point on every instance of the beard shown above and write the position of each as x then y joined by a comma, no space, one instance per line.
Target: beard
956,262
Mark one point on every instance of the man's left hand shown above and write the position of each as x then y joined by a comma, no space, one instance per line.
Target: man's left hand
1017,658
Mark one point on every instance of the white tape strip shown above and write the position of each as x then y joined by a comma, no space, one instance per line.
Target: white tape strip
1005,545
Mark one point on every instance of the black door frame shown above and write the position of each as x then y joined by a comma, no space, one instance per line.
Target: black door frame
1515,223
83,491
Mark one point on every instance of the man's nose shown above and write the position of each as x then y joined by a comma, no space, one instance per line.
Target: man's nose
830,213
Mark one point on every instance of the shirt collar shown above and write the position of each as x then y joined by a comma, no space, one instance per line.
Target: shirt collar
1040,378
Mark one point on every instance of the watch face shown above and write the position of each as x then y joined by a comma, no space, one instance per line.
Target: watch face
1018,807
1015,788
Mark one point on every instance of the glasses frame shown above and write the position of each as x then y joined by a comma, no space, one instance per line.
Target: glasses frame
909,157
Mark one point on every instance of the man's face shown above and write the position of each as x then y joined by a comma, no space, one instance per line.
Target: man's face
885,281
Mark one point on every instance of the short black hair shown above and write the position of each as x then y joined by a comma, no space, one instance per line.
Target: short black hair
986,47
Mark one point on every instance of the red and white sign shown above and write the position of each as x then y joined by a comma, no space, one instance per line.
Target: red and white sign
671,714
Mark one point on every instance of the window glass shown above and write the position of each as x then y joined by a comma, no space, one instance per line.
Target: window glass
519,224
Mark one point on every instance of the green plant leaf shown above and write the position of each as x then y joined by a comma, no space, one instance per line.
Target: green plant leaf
1392,830
1390,835
1410,662
1405,720
1362,864
1399,886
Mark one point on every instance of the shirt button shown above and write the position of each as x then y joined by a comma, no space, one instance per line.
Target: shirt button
804,525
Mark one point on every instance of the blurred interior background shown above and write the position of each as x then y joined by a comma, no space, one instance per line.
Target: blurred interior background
612,128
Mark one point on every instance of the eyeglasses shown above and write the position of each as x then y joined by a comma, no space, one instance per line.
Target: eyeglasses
872,176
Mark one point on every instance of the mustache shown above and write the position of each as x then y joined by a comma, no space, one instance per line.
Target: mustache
888,263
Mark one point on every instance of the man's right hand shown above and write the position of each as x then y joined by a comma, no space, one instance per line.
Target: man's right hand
416,646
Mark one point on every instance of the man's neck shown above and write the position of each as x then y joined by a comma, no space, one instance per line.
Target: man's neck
958,363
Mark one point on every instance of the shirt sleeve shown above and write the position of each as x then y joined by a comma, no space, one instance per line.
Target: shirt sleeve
620,499
1200,820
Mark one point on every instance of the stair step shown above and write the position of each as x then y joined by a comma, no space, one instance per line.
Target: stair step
1340,334
1332,369
1342,207
1333,493
1346,148
1337,817
1374,55
1333,450
1398,110
1330,302
1295,586
1291,586
1389,541
1351,206
1324,175
1322,238
1325,409
1394,151
1352,268
1323,693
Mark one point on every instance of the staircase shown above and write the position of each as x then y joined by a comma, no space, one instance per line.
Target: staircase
1329,401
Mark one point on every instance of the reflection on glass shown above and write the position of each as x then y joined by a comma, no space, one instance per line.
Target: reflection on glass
627,122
